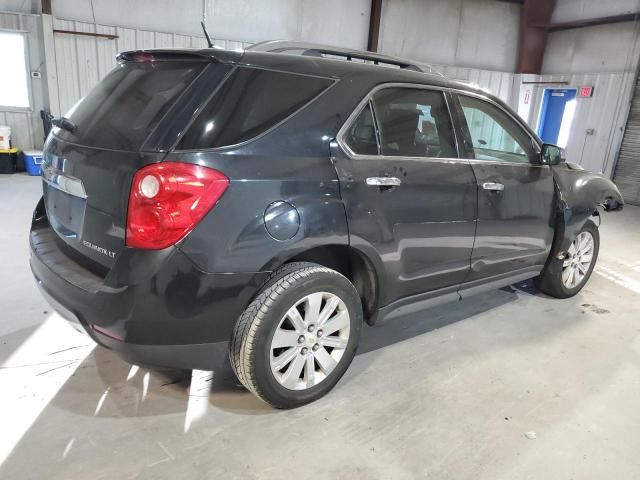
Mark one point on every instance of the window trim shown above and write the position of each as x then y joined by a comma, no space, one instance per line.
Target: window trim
262,134
452,101
368,98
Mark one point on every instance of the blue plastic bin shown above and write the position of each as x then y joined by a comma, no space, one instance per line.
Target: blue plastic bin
32,161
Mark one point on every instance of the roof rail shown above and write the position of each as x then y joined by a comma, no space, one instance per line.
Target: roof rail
316,50
350,55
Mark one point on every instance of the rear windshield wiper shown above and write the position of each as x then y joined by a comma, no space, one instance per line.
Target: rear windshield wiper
64,123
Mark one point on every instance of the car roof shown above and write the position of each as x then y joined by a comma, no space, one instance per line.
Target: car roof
312,65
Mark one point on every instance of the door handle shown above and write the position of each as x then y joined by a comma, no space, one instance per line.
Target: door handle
383,181
493,186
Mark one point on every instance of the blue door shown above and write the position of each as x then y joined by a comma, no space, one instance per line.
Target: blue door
553,111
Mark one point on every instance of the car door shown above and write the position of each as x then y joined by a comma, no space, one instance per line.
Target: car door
516,214
410,201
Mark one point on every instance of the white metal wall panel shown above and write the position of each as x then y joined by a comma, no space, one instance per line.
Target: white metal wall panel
66,66
20,123
10,21
81,61
183,41
497,83
627,173
479,34
106,50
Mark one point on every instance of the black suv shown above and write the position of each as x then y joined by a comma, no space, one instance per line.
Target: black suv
277,201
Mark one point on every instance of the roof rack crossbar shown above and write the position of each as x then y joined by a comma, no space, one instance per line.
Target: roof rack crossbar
371,57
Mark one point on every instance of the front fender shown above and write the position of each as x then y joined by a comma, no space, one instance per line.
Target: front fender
580,194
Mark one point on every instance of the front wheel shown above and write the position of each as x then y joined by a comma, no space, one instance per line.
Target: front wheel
296,339
564,278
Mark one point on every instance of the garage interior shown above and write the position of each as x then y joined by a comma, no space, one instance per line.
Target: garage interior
509,384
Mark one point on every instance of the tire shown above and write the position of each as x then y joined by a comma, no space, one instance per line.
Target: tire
271,320
551,279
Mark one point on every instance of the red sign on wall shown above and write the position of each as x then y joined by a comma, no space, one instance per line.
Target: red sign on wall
584,92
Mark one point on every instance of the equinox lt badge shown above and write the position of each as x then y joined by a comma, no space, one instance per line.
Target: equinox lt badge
99,249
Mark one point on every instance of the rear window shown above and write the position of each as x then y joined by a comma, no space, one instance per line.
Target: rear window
250,102
124,108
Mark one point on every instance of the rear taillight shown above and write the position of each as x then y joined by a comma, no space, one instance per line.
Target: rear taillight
167,200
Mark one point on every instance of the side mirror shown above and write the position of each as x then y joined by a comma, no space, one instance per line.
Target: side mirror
552,154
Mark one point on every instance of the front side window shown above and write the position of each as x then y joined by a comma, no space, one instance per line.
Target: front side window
414,122
250,102
493,134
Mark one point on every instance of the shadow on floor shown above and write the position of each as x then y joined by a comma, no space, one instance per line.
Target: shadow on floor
106,386
403,328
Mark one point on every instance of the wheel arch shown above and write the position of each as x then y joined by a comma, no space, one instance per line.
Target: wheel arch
353,264
579,196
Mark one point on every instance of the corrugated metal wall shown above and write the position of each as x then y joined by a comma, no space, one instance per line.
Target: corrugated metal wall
498,83
627,173
605,113
26,127
81,60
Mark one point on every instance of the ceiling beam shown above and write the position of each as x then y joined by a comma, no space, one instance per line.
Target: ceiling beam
532,40
589,22
374,25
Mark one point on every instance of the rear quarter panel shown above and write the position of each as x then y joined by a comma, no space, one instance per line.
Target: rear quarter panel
290,163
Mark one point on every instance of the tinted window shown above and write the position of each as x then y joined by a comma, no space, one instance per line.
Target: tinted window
494,135
361,136
250,102
414,123
124,108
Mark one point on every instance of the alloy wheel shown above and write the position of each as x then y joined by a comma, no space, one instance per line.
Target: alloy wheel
309,341
578,260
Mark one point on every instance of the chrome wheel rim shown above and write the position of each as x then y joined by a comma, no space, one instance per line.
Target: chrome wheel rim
309,341
578,260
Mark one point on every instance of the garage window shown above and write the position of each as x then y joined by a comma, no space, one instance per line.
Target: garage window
14,86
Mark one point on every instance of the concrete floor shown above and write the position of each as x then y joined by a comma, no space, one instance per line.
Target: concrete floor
508,385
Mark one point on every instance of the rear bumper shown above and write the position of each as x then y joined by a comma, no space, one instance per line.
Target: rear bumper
168,314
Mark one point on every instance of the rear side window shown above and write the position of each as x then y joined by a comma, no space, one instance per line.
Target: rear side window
361,136
414,123
250,102
125,107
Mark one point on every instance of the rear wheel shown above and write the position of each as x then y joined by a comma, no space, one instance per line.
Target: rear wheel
296,339
564,278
